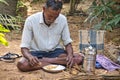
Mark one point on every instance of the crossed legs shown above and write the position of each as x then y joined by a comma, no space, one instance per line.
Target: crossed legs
24,65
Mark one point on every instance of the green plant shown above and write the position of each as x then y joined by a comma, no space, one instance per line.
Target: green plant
3,1
115,21
8,21
21,9
19,4
2,29
103,16
2,36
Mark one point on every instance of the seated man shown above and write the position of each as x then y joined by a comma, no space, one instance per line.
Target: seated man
41,39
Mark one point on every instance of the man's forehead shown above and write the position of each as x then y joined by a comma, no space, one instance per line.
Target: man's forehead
52,10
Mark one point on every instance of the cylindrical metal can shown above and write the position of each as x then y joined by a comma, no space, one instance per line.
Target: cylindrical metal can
89,60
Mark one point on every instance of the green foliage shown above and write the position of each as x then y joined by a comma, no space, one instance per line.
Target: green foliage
3,1
115,20
8,21
20,4
103,15
2,29
2,36
21,10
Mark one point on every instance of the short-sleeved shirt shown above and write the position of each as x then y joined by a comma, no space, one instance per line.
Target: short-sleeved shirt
37,36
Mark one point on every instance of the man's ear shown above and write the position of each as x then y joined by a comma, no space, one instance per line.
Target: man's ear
44,8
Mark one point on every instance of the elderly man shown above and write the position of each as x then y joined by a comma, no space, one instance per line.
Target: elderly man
42,38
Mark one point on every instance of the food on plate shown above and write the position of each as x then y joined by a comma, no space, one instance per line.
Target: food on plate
51,67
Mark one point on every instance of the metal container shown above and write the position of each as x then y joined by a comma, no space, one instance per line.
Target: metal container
118,58
89,60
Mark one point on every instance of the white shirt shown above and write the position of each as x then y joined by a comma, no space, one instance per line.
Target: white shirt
37,36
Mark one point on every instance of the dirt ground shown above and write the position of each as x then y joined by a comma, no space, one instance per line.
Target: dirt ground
9,71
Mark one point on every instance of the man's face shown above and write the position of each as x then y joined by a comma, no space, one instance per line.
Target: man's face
50,15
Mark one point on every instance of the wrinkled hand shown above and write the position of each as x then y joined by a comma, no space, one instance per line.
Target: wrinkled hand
33,60
69,61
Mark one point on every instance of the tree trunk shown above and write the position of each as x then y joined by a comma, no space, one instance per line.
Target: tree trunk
8,9
72,6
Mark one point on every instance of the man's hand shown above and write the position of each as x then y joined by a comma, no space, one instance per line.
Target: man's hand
33,60
70,61
69,51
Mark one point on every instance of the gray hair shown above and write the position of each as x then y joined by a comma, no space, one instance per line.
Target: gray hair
54,4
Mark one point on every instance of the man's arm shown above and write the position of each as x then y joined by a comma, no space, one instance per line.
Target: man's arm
25,52
69,51
32,59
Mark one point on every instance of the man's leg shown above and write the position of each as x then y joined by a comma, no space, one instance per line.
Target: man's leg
24,65
61,59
